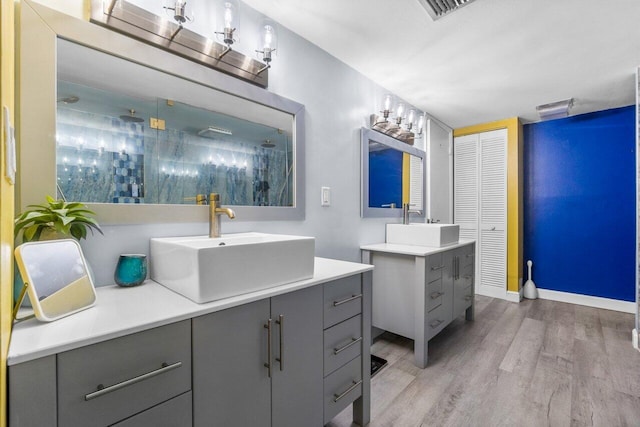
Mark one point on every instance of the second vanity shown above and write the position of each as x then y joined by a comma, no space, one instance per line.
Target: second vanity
291,355
418,290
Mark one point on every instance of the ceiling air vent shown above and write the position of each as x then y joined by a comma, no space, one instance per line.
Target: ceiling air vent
439,8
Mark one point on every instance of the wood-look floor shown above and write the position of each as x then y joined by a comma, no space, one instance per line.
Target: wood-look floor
537,363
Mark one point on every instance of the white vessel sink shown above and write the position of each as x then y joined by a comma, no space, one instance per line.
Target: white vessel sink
421,234
205,269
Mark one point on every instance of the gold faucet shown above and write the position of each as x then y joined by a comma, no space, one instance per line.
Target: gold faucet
214,214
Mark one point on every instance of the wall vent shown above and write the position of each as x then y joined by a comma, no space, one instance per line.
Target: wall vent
439,8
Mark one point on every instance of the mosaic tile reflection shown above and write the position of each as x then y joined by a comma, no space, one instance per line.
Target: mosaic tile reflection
103,159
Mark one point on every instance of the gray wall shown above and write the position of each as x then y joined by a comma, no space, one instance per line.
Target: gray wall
338,101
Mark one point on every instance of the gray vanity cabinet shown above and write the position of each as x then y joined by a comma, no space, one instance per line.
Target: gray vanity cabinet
418,291
260,364
295,359
115,381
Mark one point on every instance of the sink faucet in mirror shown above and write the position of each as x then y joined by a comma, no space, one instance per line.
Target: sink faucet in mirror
214,214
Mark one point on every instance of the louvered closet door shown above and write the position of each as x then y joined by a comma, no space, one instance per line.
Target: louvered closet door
480,205
465,187
492,248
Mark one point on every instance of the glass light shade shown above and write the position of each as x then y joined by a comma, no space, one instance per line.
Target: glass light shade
387,103
400,110
268,35
411,117
228,21
268,42
421,123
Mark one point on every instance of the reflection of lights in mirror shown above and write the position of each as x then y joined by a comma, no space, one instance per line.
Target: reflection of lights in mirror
124,158
130,166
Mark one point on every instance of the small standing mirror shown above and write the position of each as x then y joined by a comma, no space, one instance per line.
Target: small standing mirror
56,278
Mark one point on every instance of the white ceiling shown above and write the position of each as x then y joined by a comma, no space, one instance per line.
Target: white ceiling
487,61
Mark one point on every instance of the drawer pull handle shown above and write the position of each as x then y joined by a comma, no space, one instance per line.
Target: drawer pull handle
467,277
102,390
435,295
469,255
344,301
468,297
436,323
337,397
280,359
343,348
267,364
437,268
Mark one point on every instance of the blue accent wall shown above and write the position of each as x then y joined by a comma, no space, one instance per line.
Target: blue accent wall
579,203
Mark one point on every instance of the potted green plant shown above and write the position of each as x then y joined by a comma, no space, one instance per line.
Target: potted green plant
55,219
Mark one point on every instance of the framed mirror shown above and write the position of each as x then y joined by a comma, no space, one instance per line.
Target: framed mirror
392,174
56,276
137,132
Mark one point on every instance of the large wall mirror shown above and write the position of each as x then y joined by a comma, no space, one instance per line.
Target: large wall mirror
392,175
136,132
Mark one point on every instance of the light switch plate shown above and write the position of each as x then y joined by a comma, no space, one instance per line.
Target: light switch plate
325,196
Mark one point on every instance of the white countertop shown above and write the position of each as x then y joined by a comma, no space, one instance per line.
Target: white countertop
123,311
414,250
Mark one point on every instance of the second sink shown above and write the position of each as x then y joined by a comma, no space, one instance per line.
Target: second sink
423,234
206,269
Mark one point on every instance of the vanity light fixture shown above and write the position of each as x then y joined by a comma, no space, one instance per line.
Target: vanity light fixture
228,19
555,110
170,35
268,43
394,128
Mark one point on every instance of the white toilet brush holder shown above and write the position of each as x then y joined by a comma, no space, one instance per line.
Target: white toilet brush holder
530,290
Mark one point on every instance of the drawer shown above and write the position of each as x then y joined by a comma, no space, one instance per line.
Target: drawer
172,413
434,294
342,343
341,388
342,300
435,266
437,319
129,374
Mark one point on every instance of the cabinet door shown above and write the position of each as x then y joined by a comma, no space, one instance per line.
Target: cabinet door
297,392
231,386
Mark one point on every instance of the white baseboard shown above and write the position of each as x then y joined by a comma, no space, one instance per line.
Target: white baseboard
492,291
514,296
589,301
